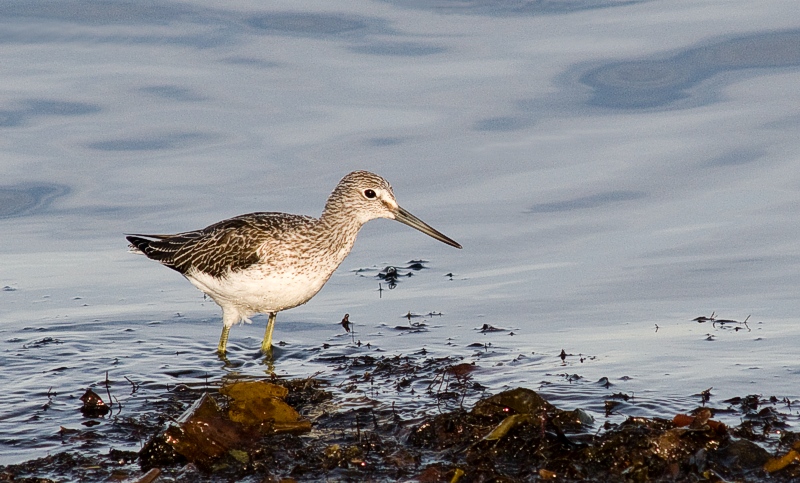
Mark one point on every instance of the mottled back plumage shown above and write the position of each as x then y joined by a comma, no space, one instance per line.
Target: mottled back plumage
267,262
229,245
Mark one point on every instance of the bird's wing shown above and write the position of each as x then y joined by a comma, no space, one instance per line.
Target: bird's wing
229,245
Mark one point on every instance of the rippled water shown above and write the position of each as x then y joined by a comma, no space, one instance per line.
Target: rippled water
613,169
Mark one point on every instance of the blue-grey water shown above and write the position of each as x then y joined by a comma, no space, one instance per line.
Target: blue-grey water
613,170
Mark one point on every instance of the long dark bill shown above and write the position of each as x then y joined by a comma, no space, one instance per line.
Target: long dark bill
407,218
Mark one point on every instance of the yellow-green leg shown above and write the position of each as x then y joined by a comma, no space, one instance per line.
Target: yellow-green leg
266,344
223,340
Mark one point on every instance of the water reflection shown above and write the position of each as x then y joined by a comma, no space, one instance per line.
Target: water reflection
173,93
31,108
642,84
251,62
407,49
152,142
94,12
29,22
591,201
736,158
503,123
26,199
511,7
200,27
385,141
308,24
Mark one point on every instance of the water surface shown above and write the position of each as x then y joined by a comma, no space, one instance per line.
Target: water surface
613,170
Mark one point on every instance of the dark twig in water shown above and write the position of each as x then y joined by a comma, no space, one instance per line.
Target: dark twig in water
374,418
722,322
134,386
705,396
312,377
745,323
350,327
108,390
703,319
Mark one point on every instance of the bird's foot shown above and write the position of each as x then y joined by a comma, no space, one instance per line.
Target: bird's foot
223,356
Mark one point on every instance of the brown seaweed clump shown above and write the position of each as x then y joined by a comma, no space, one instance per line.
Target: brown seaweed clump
516,436
272,430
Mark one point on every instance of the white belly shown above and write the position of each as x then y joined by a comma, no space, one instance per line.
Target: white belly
253,291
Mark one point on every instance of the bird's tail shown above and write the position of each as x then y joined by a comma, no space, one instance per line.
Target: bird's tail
138,244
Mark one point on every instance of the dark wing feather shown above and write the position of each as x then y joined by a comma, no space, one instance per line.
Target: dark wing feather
229,245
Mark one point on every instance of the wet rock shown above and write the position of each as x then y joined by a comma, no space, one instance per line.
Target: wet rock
572,421
158,452
450,429
436,473
506,422
639,448
203,433
206,433
91,469
93,405
741,454
515,401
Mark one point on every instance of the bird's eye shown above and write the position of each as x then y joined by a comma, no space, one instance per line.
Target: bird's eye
369,194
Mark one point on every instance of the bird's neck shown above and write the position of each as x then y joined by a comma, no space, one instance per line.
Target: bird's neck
340,229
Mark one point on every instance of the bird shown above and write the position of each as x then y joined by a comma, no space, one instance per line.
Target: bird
268,262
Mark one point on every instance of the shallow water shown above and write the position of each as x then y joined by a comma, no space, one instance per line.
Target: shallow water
612,169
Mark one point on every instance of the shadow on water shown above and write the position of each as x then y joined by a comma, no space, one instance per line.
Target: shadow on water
650,83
